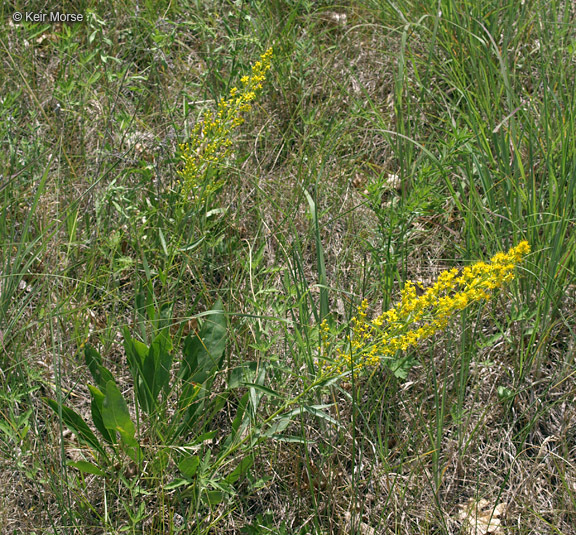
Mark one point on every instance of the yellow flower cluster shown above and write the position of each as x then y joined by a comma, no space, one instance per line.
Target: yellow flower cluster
416,318
210,140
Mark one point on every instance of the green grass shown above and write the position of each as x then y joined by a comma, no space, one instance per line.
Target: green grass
391,141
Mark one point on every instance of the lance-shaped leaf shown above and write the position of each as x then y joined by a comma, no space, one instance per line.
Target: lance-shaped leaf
77,425
116,417
136,354
203,351
94,362
86,467
156,366
150,367
96,408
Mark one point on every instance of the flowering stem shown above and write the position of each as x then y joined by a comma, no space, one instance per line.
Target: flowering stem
417,318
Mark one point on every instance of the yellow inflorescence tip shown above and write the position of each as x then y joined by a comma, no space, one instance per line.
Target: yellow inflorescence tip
210,140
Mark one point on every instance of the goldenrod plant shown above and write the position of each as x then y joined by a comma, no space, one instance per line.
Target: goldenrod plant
417,318
211,138
150,368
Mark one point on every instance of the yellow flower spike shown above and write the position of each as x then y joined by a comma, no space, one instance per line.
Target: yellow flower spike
398,328
210,139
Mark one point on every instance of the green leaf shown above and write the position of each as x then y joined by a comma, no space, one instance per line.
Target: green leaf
505,393
115,414
191,402
116,417
293,439
401,367
94,362
239,420
248,372
204,437
324,303
86,467
96,409
240,471
163,242
178,482
136,351
145,303
277,427
263,389
236,377
160,461
189,465
203,352
150,367
214,497
136,354
156,366
314,410
77,425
